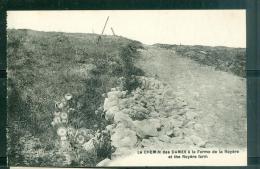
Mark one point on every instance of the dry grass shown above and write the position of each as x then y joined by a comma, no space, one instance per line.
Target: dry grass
43,66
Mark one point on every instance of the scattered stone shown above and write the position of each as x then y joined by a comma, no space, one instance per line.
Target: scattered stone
110,113
165,138
170,133
177,132
155,122
169,93
124,119
197,141
123,137
190,124
190,115
145,128
153,114
108,103
198,127
146,143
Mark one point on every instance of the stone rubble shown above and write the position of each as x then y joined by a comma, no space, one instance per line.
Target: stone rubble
150,117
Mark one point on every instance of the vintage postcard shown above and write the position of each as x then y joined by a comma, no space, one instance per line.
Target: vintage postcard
126,88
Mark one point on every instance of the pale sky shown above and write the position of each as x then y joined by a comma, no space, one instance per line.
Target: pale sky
189,27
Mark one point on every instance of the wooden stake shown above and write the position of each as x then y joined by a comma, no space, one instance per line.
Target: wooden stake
105,26
99,37
113,31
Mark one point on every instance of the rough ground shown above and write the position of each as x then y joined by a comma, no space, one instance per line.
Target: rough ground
219,96
62,85
179,104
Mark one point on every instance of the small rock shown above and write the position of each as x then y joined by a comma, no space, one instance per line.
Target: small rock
120,117
108,103
124,103
198,127
123,137
145,128
165,138
169,93
190,124
169,133
126,111
170,123
155,122
197,141
154,114
191,115
129,141
111,113
146,143
177,132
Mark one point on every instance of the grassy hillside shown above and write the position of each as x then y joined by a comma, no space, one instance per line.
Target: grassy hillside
227,59
45,66
42,68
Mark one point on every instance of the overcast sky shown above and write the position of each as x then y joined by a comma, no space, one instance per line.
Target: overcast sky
190,27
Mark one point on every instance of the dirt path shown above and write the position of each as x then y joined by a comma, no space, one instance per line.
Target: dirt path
219,96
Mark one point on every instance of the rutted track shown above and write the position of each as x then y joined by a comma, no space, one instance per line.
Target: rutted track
219,96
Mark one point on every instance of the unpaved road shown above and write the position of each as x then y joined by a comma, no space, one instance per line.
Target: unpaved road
219,96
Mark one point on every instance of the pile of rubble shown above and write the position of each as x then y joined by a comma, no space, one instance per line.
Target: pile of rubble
150,117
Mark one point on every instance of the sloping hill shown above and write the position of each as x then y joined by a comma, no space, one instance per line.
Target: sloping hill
74,101
42,68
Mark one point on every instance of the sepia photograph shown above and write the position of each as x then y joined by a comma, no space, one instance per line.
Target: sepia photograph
89,88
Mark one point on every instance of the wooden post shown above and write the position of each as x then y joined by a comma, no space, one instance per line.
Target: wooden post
105,26
99,37
113,31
